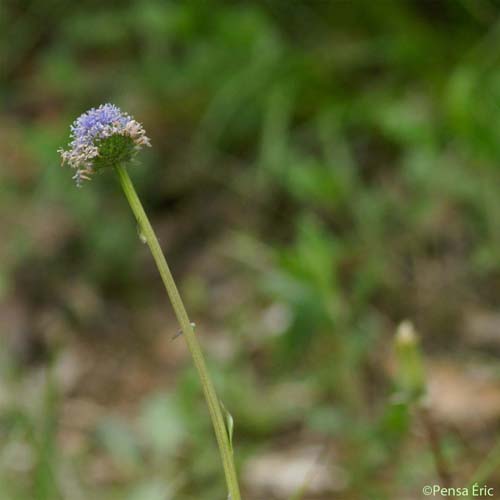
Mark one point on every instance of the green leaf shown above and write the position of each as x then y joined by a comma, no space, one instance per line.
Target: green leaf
229,421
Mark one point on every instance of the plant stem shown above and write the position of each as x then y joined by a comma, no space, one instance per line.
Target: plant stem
440,462
490,464
212,400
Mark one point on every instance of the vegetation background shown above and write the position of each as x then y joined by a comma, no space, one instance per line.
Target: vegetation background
320,172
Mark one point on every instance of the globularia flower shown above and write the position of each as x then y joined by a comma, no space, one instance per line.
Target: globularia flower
102,137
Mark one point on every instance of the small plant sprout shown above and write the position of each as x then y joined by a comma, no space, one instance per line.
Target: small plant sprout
411,378
105,137
412,386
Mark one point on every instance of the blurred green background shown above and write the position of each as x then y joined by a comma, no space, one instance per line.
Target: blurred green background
320,171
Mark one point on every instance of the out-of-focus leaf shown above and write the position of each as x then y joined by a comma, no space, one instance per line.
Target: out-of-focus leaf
151,490
120,441
162,423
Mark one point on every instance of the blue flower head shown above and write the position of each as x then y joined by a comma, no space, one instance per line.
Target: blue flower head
102,137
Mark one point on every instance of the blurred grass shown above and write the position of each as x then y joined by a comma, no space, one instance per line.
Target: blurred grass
320,172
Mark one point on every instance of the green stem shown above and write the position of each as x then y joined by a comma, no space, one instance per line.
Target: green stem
188,332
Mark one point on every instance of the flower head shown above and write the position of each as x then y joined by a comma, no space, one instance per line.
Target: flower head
102,137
